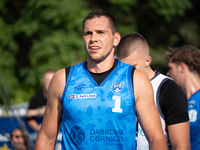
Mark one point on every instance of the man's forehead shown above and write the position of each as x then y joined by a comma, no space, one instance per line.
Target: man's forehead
170,63
16,131
97,22
96,28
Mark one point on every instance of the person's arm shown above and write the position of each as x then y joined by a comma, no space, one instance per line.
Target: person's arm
53,114
147,112
35,112
174,106
33,124
179,136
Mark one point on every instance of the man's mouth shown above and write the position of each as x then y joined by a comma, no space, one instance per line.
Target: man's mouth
94,47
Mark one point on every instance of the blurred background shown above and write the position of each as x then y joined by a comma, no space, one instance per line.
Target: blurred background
36,35
39,34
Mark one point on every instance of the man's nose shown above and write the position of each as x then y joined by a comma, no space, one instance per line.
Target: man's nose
93,37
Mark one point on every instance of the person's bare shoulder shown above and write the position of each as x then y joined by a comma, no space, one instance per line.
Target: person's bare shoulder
57,84
141,76
60,75
141,84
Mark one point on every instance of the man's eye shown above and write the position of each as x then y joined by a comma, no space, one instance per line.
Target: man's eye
87,33
100,32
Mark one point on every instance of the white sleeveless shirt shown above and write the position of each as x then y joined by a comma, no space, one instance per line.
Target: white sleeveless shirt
156,81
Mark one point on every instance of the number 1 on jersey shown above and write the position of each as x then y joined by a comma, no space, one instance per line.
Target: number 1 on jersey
117,108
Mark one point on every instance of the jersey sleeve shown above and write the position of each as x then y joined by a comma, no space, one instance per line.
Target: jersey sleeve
173,103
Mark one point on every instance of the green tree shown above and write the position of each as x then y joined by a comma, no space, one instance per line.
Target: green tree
39,34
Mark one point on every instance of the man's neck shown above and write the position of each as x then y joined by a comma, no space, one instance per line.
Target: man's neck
99,77
192,84
100,66
149,72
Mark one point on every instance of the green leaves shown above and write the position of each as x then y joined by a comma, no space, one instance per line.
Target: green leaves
39,34
170,8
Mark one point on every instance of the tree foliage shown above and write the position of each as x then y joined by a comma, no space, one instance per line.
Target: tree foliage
39,34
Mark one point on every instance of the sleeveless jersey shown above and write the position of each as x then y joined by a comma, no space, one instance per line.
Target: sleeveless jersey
99,117
142,143
194,114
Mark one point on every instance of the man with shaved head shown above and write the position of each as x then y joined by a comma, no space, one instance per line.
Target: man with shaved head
170,100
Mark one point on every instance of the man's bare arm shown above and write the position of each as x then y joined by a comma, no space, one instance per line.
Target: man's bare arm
53,114
179,135
147,112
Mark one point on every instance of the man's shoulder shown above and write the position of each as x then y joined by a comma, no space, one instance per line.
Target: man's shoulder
60,72
58,81
140,79
195,96
163,81
160,76
170,90
123,64
169,84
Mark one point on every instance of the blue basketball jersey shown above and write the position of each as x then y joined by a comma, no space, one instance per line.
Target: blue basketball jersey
99,117
194,114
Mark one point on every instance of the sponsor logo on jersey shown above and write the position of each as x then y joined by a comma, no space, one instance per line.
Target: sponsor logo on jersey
117,87
79,87
77,135
191,103
79,96
107,135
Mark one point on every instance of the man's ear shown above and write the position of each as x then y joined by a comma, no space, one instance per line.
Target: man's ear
148,61
117,38
183,67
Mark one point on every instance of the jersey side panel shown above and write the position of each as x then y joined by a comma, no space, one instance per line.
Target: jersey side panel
194,114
